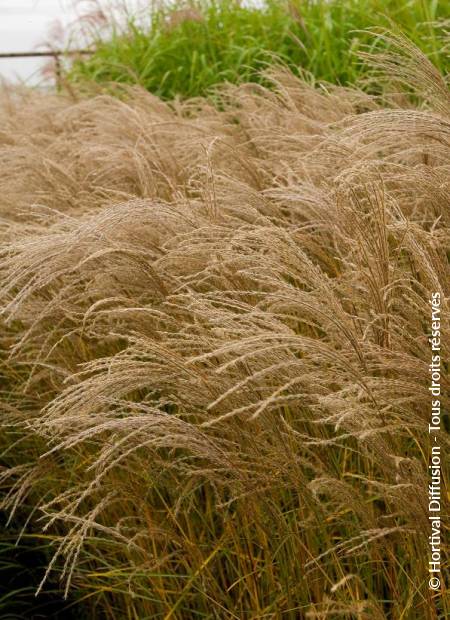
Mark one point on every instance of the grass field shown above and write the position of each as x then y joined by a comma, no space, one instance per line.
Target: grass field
190,48
214,354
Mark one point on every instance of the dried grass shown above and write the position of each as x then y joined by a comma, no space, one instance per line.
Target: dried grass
215,348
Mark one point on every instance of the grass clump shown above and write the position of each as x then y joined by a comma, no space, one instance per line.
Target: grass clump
214,346
190,47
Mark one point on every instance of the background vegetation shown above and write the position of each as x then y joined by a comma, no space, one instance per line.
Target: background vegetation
191,46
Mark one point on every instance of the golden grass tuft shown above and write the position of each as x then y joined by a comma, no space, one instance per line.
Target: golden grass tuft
215,349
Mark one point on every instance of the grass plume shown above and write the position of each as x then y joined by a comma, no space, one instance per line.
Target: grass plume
215,352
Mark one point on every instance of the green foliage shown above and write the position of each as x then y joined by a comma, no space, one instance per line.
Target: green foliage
189,48
23,562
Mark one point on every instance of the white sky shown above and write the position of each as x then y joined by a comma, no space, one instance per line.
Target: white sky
25,25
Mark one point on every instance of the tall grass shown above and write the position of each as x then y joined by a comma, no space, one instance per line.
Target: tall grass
214,356
191,46
23,562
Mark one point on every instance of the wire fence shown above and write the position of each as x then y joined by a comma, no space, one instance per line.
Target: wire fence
57,55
